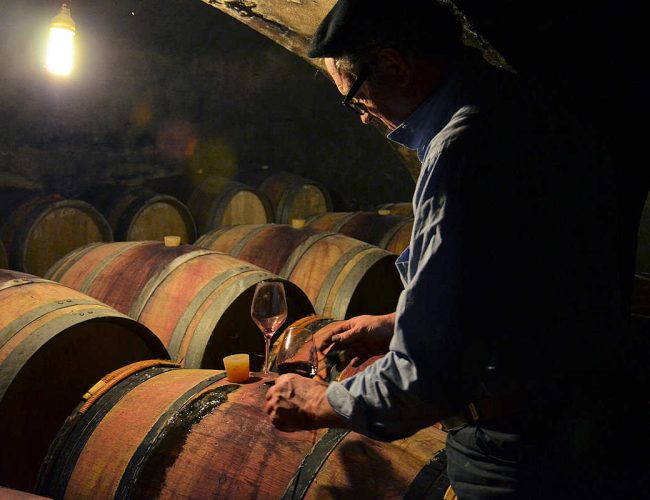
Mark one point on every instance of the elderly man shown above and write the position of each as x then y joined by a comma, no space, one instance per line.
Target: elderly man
510,318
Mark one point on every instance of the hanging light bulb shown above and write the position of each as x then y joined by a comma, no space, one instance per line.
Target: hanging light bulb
60,46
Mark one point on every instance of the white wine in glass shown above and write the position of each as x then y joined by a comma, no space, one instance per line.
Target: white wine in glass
269,312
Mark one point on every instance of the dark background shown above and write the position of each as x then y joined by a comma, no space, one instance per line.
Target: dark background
171,86
590,58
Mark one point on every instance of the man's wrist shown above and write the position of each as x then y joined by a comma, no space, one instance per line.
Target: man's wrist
387,327
322,411
389,319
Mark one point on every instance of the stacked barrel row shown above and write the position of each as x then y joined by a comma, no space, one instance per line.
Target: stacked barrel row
38,228
191,305
56,342
249,198
150,429
196,301
341,277
259,197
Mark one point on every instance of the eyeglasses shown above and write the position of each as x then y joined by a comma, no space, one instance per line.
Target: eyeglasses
357,107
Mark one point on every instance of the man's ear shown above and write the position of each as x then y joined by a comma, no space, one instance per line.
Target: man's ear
394,66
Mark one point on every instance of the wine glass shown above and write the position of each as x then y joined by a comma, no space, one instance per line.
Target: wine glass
297,353
269,312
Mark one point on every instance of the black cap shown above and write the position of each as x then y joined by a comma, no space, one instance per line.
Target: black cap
352,24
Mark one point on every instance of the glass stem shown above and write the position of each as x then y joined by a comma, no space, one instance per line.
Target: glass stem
267,342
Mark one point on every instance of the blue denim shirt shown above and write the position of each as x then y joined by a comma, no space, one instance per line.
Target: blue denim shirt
511,277
398,395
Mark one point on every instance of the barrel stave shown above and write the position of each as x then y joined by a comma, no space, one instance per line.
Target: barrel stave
255,460
225,238
326,272
104,460
360,467
69,265
330,221
268,246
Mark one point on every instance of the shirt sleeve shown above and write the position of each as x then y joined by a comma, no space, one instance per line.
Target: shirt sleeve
417,382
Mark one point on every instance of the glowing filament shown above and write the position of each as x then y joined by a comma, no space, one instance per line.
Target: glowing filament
60,51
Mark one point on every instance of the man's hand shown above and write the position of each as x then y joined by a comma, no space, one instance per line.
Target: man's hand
298,403
363,336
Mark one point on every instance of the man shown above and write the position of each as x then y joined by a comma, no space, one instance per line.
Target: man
511,320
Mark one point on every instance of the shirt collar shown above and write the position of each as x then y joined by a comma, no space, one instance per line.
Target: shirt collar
430,117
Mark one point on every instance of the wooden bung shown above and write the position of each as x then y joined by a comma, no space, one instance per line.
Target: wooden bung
172,241
404,209
297,223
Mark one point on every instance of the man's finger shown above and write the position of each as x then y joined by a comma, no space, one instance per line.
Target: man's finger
346,338
323,337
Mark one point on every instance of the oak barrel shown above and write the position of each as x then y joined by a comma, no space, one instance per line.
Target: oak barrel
197,301
54,343
294,197
343,277
219,201
178,433
391,232
138,214
40,229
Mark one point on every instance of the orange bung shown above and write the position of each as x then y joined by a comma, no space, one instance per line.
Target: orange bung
237,367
